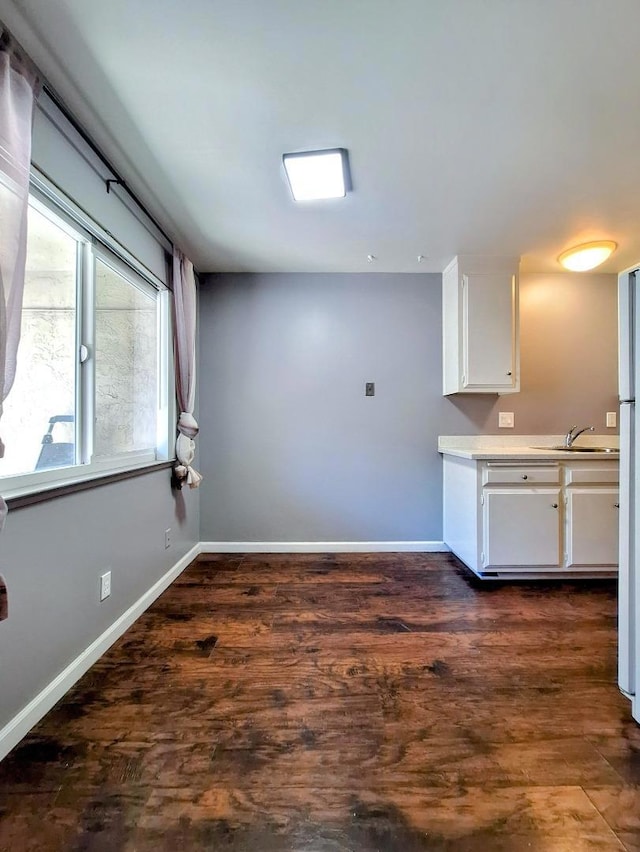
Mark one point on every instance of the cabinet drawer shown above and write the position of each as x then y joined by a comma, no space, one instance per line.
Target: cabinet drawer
593,474
510,474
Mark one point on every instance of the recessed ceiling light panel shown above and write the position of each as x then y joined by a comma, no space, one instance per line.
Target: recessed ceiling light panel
318,174
587,256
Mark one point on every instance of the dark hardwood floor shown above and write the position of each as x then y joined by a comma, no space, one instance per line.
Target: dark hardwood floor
316,703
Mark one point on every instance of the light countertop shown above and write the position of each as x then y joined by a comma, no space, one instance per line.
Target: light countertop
526,447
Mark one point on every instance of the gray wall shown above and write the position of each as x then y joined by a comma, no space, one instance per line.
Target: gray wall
292,450
61,154
52,555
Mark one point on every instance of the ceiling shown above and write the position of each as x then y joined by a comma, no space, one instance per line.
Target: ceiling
473,126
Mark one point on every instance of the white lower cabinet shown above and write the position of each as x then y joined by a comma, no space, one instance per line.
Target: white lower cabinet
592,526
527,519
521,526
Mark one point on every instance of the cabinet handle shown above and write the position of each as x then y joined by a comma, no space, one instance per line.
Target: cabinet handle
554,505
524,476
616,505
509,372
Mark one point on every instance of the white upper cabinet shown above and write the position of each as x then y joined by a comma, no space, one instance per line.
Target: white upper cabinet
480,325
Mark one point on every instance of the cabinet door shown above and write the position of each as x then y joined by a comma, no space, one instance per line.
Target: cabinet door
592,527
489,330
522,527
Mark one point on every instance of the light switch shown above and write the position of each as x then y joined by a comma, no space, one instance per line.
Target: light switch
611,420
505,420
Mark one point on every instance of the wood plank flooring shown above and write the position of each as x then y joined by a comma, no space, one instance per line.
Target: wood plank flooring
325,703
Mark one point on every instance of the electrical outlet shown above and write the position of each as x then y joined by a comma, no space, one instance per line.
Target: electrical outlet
105,585
611,420
167,539
505,420
370,389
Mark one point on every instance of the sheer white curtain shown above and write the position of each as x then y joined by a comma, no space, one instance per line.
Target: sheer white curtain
184,334
18,85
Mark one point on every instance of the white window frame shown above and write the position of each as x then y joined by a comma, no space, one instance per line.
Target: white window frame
63,213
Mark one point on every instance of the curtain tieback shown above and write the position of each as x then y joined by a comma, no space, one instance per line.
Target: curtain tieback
187,425
185,452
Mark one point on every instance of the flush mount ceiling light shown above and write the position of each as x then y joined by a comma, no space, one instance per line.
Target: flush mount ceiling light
318,174
587,256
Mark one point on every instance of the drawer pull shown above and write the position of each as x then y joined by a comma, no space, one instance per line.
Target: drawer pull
524,476
554,505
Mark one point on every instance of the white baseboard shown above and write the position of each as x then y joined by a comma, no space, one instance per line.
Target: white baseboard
38,707
30,715
323,547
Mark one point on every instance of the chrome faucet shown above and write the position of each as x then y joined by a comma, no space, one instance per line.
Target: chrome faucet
574,432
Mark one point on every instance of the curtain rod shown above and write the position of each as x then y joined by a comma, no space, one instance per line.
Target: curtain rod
117,178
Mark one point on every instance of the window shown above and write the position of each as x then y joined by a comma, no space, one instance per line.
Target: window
45,383
126,358
90,390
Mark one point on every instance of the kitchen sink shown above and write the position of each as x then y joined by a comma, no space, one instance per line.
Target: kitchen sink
563,449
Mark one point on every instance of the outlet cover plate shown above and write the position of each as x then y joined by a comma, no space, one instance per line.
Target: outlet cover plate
105,585
506,420
611,420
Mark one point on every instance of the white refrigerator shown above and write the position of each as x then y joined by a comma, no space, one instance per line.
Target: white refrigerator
629,578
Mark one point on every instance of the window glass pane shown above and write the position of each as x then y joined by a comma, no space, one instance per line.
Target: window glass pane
126,363
44,386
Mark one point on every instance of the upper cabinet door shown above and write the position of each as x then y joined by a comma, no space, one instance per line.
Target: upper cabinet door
480,325
488,331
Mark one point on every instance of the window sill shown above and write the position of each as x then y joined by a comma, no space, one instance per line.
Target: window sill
41,493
